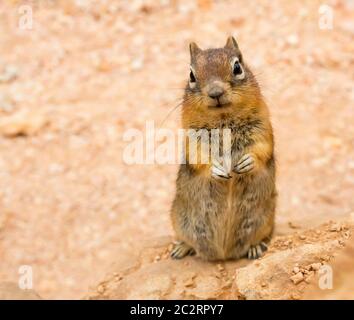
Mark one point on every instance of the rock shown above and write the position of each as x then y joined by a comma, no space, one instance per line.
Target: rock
295,296
9,74
297,278
293,39
137,63
146,277
293,226
316,266
190,278
335,228
24,123
157,258
274,270
296,270
11,291
309,276
342,273
189,282
101,288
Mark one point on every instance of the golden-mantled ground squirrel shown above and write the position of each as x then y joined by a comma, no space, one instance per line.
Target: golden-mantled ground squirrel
218,214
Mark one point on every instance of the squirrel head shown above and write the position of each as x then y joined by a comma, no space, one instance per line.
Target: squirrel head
219,79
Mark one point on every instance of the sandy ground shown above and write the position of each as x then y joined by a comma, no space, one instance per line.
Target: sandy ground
87,72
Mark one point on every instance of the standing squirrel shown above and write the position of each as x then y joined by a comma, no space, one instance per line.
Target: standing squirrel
217,214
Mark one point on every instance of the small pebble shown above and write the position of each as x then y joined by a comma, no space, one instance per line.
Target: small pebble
297,278
101,288
292,39
295,296
335,228
316,266
118,278
189,283
9,73
220,267
309,277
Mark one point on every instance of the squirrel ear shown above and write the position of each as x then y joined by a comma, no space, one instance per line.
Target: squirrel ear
194,49
231,43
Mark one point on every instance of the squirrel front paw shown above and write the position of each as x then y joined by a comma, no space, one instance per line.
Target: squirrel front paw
245,164
218,171
181,249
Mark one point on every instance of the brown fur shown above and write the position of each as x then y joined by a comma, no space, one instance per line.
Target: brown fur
223,219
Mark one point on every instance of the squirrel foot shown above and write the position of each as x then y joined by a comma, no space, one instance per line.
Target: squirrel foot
218,171
181,249
257,251
245,164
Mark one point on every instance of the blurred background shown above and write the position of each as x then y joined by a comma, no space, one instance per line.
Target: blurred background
80,73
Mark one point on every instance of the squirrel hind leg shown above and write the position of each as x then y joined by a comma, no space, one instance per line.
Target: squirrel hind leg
257,251
181,250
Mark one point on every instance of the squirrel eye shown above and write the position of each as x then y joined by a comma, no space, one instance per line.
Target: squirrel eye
192,77
237,70
192,80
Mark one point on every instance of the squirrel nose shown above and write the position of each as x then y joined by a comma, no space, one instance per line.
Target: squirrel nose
216,92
